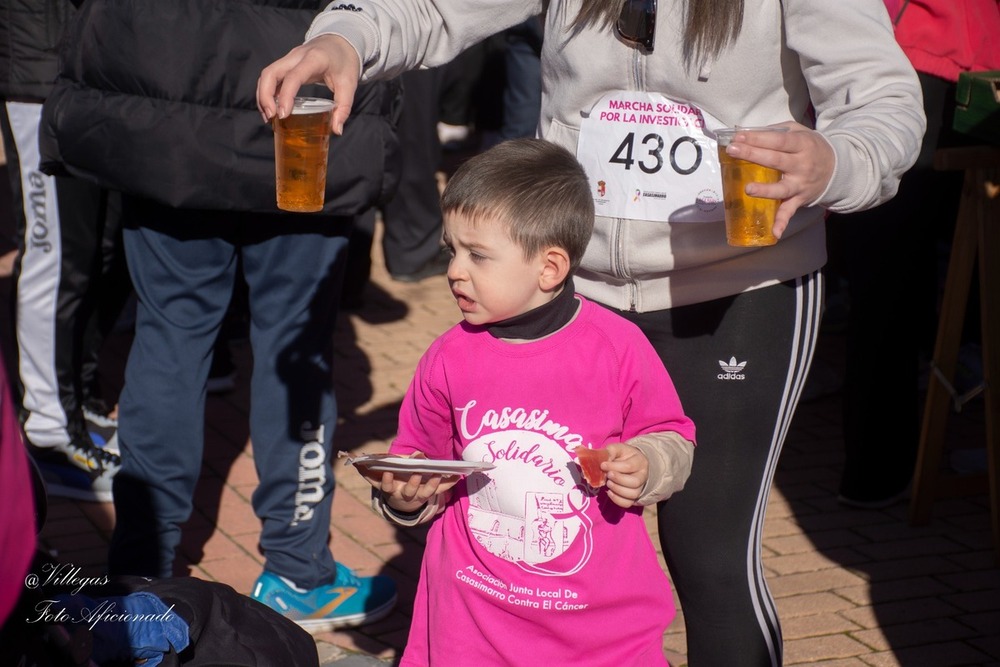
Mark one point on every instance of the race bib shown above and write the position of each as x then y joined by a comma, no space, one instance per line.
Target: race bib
651,158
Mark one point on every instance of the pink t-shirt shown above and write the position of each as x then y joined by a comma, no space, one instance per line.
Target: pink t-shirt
524,566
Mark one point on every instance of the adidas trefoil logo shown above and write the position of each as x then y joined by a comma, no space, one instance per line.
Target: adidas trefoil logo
732,369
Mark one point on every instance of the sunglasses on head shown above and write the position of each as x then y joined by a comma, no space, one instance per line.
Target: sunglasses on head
637,22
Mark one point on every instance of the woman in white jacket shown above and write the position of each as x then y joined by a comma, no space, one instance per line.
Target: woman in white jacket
637,90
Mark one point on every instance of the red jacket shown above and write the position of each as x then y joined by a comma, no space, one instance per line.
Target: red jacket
946,37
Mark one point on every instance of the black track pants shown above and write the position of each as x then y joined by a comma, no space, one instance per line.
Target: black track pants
739,365
71,283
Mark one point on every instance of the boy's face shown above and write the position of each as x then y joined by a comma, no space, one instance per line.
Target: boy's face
488,274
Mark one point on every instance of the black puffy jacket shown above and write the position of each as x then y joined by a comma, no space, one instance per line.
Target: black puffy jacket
29,41
158,99
225,628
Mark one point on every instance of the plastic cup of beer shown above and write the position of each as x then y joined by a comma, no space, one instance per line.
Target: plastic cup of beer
301,151
749,220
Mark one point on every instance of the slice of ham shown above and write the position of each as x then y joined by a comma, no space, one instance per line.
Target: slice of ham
590,463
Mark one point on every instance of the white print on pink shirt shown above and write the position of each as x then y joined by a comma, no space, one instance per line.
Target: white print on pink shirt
532,420
531,508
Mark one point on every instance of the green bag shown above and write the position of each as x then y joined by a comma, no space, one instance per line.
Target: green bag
977,108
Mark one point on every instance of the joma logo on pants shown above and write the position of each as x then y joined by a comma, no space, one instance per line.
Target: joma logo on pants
312,474
38,218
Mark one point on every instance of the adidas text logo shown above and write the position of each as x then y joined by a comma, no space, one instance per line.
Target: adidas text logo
732,369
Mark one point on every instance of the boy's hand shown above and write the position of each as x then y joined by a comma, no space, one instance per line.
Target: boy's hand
408,492
627,470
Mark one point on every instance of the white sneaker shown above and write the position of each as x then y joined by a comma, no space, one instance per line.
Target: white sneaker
77,470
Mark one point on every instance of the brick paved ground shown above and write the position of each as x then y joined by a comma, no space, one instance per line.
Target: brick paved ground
853,588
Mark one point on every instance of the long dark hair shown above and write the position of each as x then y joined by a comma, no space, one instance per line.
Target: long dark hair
709,25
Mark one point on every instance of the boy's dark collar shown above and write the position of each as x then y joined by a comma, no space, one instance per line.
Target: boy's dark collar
541,321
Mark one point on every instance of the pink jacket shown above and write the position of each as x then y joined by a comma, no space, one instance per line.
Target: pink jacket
17,519
947,37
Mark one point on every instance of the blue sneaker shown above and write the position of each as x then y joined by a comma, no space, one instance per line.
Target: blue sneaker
349,601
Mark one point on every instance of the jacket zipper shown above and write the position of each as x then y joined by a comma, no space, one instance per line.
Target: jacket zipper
618,267
619,245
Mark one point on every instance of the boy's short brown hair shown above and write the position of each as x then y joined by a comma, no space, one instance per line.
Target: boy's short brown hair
535,188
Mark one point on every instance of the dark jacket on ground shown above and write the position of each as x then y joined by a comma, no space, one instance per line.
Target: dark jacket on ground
158,99
224,627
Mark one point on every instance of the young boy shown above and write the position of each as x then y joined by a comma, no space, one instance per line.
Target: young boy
526,563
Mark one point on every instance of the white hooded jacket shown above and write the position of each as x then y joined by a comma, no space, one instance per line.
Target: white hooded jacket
834,66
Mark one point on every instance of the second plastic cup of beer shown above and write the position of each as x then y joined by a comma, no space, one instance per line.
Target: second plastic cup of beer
749,220
301,151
